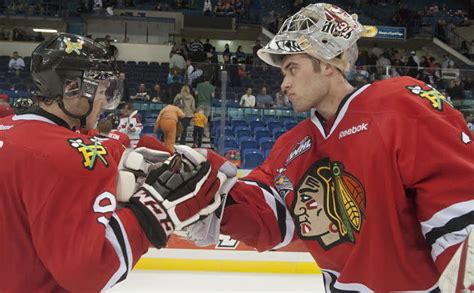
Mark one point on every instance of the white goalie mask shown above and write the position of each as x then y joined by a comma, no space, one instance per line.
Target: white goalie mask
321,30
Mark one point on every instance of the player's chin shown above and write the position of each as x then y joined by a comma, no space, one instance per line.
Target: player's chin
300,108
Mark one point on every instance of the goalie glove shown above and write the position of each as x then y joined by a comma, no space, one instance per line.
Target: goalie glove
206,231
172,199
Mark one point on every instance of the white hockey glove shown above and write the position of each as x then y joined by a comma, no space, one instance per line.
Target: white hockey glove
206,231
134,166
174,195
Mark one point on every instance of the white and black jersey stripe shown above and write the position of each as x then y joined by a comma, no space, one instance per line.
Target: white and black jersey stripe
117,236
448,227
282,215
332,285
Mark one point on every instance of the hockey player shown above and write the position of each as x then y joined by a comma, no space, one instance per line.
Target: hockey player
107,128
378,182
130,124
61,229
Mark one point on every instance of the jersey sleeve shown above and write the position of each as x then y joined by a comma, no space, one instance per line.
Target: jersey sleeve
256,214
436,161
82,237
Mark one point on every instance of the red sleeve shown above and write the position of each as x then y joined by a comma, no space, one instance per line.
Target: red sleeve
256,214
84,240
436,160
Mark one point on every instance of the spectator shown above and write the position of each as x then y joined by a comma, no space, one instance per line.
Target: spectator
240,55
175,82
124,87
228,9
196,50
16,63
255,60
226,52
455,89
207,46
177,61
382,63
113,51
5,108
39,37
207,8
247,100
446,61
192,73
157,94
200,122
219,9
185,101
142,93
167,121
281,99
205,92
264,100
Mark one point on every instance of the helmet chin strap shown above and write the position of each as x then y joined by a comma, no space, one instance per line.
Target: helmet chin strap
81,118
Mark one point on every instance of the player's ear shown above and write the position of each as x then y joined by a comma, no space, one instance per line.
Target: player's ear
327,69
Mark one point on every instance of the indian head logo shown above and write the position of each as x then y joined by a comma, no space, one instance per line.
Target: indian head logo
429,93
328,205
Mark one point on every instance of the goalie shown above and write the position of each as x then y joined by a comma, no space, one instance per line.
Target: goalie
378,182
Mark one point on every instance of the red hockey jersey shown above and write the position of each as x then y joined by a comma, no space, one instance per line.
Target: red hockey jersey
60,228
381,195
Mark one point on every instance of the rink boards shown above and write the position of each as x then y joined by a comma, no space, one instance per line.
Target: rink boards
229,255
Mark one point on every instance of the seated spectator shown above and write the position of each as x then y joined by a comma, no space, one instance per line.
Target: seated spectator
455,89
142,93
281,100
219,9
16,63
196,50
5,108
242,72
228,9
247,100
264,100
157,94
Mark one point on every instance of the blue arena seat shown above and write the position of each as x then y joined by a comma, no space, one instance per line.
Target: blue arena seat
252,159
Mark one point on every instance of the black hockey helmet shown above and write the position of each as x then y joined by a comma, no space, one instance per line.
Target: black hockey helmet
23,105
69,64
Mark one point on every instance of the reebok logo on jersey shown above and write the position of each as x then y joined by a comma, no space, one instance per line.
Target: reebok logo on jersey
465,138
304,145
354,129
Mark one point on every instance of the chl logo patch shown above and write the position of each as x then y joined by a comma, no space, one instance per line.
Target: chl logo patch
91,153
328,204
304,145
282,183
429,93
